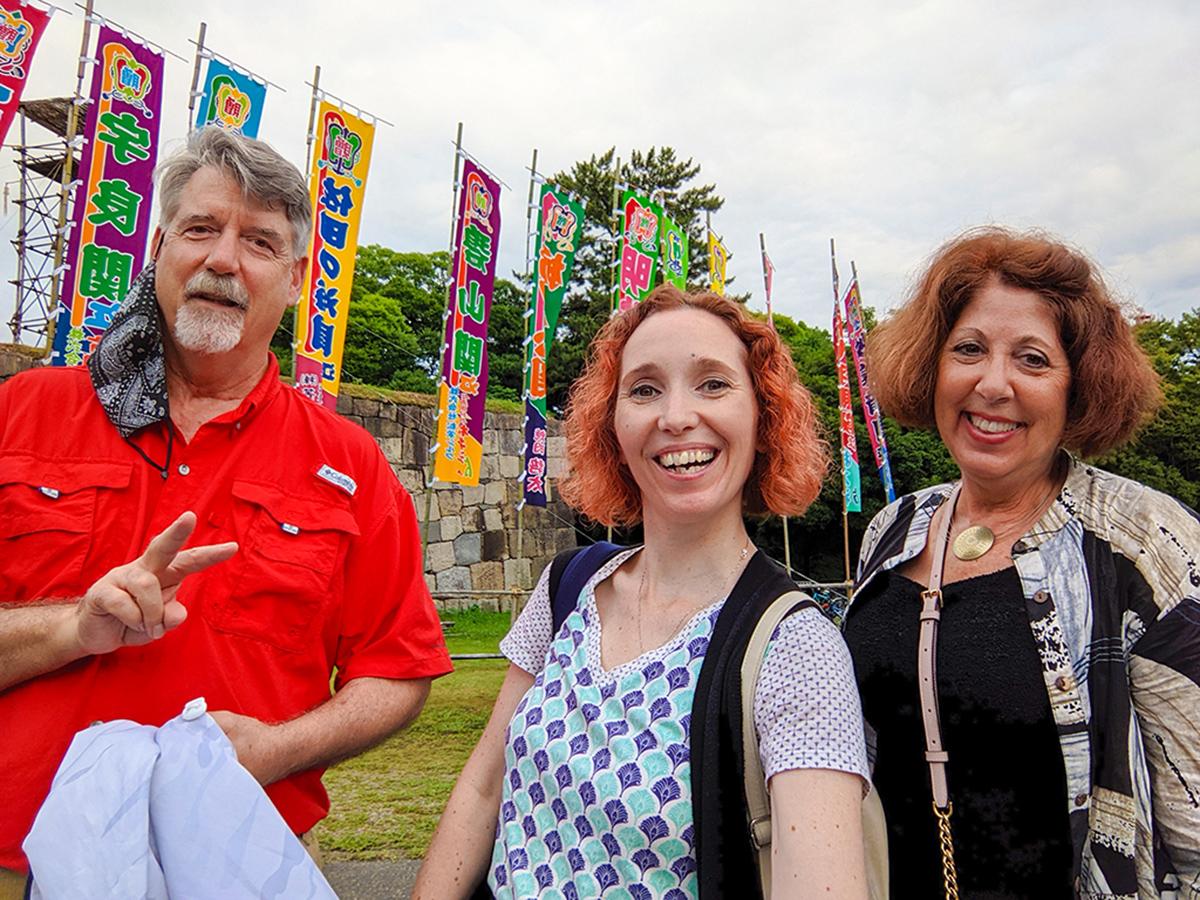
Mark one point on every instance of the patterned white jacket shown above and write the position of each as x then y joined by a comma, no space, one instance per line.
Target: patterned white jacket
1111,578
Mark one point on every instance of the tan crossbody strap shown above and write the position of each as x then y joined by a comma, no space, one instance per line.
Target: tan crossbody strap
931,614
758,801
935,753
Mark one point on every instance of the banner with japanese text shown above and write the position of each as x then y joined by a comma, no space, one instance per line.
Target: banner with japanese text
21,27
674,245
851,477
337,183
463,390
640,226
110,214
559,222
231,99
718,256
857,333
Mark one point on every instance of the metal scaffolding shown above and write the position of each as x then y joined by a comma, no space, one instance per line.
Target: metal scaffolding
42,230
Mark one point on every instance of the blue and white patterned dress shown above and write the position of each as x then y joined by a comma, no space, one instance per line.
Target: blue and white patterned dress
597,797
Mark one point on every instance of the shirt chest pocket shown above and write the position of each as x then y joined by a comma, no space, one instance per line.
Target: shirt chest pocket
281,581
47,519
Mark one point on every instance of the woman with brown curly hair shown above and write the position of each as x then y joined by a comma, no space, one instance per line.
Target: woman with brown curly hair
1033,628
609,762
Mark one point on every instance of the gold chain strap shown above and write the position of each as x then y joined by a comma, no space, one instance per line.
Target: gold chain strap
949,872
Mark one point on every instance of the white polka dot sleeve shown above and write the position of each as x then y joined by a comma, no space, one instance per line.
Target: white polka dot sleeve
527,641
806,706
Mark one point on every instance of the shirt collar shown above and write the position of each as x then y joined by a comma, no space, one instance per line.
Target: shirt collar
128,368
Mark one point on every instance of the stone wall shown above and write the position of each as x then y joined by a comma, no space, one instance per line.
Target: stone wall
476,554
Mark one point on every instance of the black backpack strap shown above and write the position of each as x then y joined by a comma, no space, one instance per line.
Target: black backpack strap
727,863
570,571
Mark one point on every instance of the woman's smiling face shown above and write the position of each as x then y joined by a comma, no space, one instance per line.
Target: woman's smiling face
686,416
1003,381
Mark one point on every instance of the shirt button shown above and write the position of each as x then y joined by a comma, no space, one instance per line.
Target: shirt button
1081,799
1041,596
1064,682
184,469
1019,547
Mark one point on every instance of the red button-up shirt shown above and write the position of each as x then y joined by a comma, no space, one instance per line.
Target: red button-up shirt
328,573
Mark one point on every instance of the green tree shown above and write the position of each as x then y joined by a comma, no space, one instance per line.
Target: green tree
1166,455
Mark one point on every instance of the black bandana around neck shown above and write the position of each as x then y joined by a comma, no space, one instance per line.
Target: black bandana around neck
127,367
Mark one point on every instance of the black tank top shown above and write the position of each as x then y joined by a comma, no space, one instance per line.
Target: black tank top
1007,781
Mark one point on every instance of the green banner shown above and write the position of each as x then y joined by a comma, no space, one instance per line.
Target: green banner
640,219
559,222
673,245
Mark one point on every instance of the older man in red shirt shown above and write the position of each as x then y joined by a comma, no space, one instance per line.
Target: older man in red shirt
304,557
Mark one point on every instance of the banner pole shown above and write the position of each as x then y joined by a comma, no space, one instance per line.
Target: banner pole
762,246
615,222
527,359
196,78
312,119
68,173
512,612
429,480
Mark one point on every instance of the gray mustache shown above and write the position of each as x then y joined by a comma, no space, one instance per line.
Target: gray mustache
223,287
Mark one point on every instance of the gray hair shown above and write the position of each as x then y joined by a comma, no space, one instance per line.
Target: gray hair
260,171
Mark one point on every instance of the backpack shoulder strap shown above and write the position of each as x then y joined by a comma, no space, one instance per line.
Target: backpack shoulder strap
758,801
570,571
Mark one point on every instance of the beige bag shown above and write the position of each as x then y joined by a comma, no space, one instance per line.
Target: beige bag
758,801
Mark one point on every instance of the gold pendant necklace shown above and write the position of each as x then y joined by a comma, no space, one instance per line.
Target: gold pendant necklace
973,542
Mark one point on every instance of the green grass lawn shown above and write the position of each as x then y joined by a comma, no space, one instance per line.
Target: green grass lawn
385,803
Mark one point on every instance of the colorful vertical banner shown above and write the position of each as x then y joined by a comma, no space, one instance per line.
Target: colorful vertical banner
231,99
21,27
768,279
110,214
559,221
673,242
341,158
874,418
640,225
718,256
851,478
461,395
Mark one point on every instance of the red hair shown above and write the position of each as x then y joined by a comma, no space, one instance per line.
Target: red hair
1114,389
783,480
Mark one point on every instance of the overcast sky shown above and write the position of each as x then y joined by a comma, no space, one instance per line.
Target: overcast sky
888,126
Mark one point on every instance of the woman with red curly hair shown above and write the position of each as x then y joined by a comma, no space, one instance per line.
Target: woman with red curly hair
1026,640
612,757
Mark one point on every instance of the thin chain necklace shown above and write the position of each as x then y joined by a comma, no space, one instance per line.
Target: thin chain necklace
976,540
641,597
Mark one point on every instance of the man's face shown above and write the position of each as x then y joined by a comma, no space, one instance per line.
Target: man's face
225,271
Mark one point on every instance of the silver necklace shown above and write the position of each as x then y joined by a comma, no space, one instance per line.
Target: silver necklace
976,540
641,597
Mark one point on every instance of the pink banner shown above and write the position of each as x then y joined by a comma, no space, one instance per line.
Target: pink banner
21,27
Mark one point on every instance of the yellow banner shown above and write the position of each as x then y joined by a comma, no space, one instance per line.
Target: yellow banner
341,155
717,257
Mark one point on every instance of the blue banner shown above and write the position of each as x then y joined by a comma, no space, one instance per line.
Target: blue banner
231,99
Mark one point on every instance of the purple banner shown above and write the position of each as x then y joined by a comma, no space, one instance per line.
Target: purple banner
459,450
110,216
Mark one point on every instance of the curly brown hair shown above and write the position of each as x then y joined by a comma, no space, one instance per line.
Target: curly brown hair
784,480
1114,389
